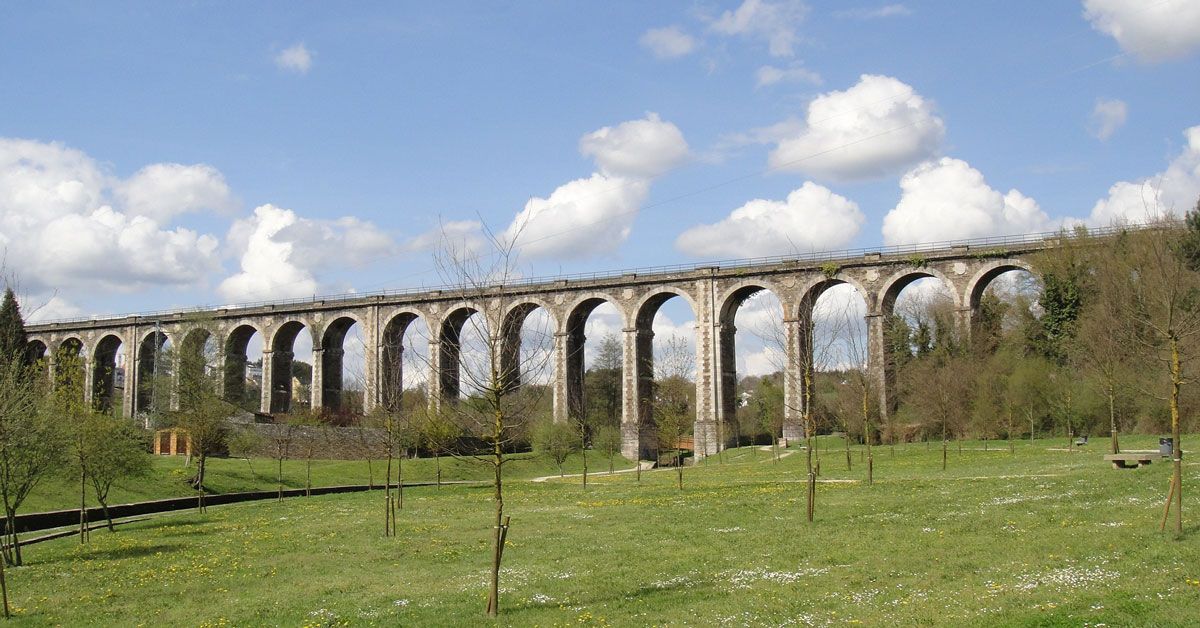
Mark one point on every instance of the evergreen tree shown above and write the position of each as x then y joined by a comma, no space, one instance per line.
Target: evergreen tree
1189,245
13,341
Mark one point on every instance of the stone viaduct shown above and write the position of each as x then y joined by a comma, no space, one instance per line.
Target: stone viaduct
714,293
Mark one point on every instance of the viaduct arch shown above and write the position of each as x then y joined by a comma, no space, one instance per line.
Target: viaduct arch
714,292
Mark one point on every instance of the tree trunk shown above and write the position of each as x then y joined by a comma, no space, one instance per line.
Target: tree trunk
944,445
867,436
83,522
846,439
1070,431
4,590
103,499
1176,447
279,478
308,476
583,450
387,497
493,604
400,481
437,461
1112,420
370,474
200,465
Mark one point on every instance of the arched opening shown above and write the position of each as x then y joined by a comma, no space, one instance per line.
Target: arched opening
833,376
752,367
926,306
70,366
343,382
198,364
1000,299
243,370
924,334
35,351
404,356
526,347
456,338
291,368
108,374
594,363
665,358
154,374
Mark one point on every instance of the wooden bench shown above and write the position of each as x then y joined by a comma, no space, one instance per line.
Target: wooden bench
1137,458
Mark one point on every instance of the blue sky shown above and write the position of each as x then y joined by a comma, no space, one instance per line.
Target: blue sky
155,155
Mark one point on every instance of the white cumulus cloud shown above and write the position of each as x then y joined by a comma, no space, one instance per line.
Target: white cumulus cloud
582,218
1151,31
947,199
295,58
280,252
592,216
65,222
1107,116
670,42
638,148
776,23
1174,190
163,191
812,218
877,127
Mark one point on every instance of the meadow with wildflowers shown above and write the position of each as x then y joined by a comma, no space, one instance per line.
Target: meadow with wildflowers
1042,536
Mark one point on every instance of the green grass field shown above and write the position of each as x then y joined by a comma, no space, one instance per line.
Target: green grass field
1041,537
169,477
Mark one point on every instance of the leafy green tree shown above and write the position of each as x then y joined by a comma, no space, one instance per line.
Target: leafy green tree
116,449
672,424
607,440
602,383
13,339
31,440
439,433
202,415
1065,270
556,440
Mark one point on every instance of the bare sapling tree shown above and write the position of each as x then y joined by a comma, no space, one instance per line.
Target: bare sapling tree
673,397
607,441
1156,277
815,352
66,404
392,432
203,416
440,430
1104,356
859,378
490,366
280,440
309,431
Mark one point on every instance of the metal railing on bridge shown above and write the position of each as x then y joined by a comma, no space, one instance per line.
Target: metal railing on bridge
816,257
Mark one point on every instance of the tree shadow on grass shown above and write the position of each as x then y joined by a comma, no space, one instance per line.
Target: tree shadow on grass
171,526
115,553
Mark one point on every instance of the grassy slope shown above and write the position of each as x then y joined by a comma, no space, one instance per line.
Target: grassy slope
169,477
1037,538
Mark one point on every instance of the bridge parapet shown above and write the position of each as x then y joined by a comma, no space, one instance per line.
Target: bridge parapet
714,291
